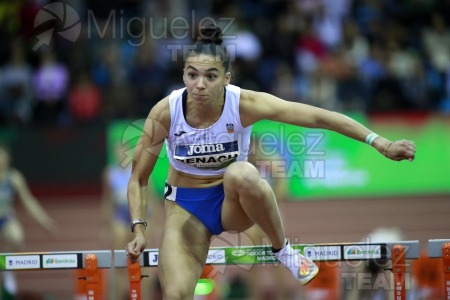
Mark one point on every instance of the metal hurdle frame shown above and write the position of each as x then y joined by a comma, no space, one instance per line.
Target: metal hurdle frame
397,252
91,261
440,248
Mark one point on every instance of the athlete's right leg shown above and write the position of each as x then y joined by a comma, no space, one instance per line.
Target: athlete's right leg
183,251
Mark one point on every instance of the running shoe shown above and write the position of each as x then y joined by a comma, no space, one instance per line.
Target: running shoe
301,267
307,270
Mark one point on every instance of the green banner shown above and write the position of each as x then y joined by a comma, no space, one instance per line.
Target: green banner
324,164
2,262
127,133
318,164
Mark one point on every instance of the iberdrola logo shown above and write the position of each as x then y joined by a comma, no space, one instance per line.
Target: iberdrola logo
63,20
50,261
352,251
355,251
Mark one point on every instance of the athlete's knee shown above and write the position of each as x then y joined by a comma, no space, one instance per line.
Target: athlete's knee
242,175
177,283
177,292
173,294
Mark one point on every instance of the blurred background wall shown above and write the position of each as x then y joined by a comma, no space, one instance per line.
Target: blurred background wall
78,76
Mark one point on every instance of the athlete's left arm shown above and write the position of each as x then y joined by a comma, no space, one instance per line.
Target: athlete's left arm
256,106
30,203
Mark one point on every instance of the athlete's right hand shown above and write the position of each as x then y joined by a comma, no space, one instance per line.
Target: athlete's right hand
135,247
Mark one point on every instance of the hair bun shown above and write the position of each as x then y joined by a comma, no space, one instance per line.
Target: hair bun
210,35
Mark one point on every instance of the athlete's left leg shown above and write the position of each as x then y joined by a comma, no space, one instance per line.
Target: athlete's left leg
249,199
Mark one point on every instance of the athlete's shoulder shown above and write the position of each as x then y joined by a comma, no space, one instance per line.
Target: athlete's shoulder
177,93
249,96
233,88
255,106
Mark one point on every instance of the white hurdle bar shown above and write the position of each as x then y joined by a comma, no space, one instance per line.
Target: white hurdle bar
216,255
435,247
242,255
53,260
396,252
91,261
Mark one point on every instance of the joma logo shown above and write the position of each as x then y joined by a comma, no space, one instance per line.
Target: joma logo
200,149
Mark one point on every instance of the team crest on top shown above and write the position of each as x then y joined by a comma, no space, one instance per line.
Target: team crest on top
230,127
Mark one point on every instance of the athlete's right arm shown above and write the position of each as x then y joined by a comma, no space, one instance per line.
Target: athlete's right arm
146,153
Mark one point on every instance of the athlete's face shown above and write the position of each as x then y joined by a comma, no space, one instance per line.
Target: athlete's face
205,77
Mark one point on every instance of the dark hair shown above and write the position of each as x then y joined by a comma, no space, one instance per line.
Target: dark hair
210,42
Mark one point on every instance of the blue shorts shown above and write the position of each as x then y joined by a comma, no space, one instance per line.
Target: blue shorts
203,203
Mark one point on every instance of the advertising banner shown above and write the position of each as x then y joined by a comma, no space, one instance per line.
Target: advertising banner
320,164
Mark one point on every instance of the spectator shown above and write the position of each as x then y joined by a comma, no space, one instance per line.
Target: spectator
50,88
119,58
15,88
85,101
148,76
354,45
310,50
436,42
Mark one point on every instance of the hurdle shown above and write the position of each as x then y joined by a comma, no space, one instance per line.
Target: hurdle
440,248
397,252
89,261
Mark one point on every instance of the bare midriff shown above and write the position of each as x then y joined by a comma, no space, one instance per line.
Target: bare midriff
181,179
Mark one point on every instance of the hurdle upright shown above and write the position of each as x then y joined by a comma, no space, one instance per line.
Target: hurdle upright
89,261
440,248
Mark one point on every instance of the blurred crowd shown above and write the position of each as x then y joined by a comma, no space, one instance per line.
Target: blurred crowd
345,55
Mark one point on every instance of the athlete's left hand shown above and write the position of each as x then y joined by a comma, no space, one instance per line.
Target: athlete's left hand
135,247
401,150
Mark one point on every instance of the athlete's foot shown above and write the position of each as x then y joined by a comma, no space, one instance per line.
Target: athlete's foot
307,270
301,267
